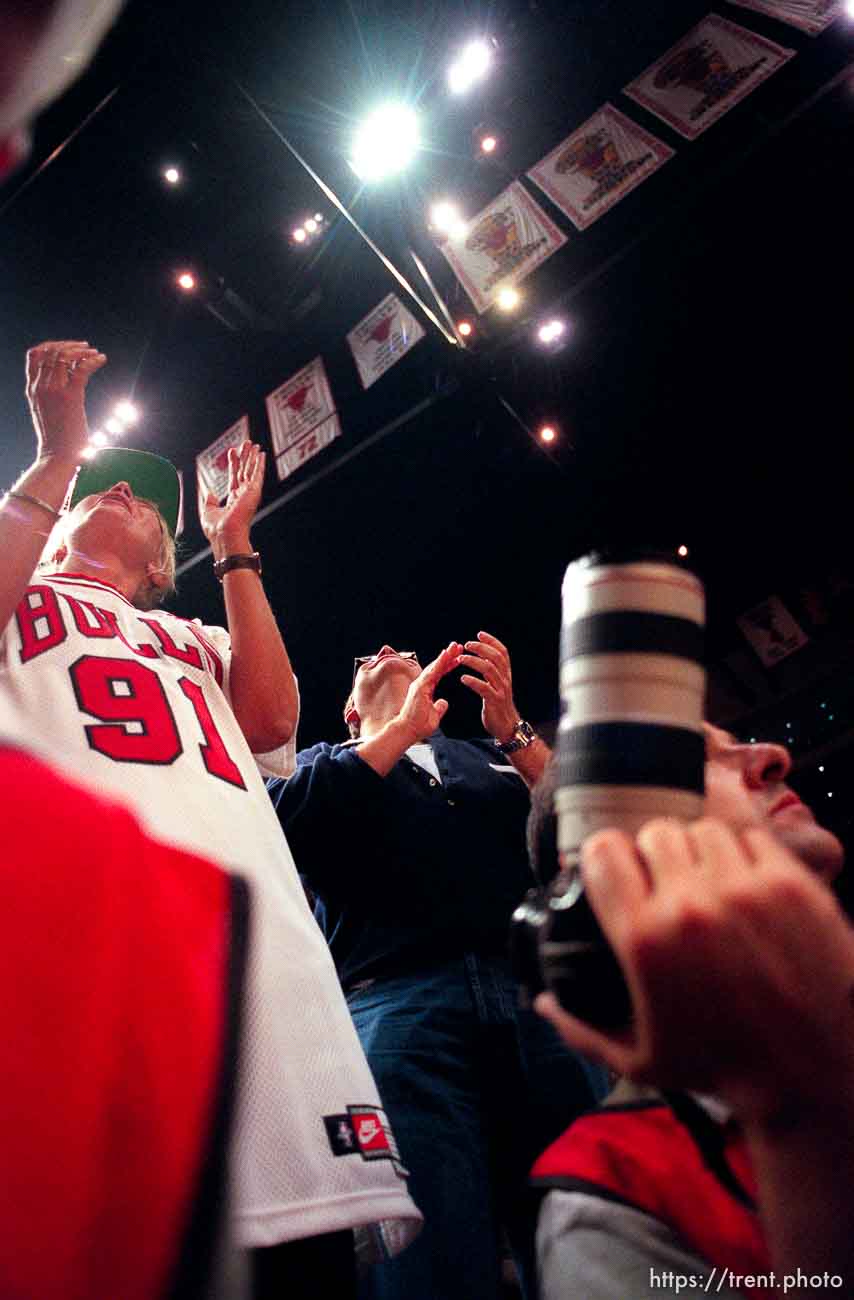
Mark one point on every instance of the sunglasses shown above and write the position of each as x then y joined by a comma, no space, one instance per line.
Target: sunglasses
361,660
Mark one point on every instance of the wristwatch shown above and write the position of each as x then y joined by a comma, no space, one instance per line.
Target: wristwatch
222,567
523,736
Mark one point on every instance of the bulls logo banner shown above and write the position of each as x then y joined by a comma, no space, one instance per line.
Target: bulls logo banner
501,245
705,74
809,15
598,165
212,463
382,338
302,417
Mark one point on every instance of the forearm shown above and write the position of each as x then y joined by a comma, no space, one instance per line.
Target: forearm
25,528
261,681
387,747
804,1174
530,761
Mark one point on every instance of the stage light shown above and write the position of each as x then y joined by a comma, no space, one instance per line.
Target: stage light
849,9
551,331
488,144
465,328
683,551
471,66
445,217
311,225
318,216
98,439
126,412
171,175
299,235
89,452
385,143
186,281
547,433
115,427
508,299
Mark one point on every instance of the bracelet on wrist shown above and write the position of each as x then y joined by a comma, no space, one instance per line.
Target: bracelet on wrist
34,501
251,561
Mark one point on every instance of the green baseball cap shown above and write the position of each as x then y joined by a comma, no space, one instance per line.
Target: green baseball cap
151,477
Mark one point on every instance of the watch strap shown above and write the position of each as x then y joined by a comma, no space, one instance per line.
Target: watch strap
252,561
523,736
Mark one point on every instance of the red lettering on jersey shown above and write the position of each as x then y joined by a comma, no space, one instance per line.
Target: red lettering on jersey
215,657
144,650
89,620
130,702
214,753
39,622
186,654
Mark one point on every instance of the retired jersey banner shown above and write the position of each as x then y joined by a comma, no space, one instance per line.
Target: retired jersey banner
501,245
308,446
706,74
598,165
382,338
212,463
809,15
295,409
772,631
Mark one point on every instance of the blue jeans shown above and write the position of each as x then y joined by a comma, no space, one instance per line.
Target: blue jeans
475,1089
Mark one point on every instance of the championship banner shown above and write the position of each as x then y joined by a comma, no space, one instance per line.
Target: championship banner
296,409
810,16
501,245
706,74
772,631
212,463
598,165
382,338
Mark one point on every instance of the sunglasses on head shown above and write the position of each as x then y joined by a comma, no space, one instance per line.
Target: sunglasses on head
361,660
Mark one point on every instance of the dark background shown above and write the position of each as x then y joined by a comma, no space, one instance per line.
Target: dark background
704,396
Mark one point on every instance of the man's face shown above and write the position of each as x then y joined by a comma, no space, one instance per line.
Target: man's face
387,670
117,522
745,786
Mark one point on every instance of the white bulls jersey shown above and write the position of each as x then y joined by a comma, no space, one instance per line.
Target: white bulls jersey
136,703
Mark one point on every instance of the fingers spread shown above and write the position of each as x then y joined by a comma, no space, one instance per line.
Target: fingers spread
489,669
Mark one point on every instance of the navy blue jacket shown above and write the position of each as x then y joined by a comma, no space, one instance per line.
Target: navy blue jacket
408,871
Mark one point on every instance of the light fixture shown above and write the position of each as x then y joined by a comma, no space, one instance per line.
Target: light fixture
508,298
318,216
89,452
311,225
171,175
98,439
488,144
550,331
115,427
470,67
682,550
126,412
186,281
385,143
465,328
299,235
548,433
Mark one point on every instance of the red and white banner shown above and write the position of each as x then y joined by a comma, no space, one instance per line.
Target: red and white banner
772,631
382,338
809,15
505,242
598,165
705,74
303,405
212,463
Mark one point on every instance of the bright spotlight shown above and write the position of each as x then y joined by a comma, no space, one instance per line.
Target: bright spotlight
508,299
464,327
115,427
682,550
311,225
186,281
318,216
171,175
126,412
547,433
471,66
385,143
849,9
551,331
300,235
98,439
89,452
445,217
488,144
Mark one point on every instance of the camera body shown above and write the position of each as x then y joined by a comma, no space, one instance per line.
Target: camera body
630,747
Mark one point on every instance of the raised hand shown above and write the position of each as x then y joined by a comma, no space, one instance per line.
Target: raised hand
491,659
229,524
421,712
57,375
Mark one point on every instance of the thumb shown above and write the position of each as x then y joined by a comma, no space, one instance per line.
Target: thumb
211,499
441,707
